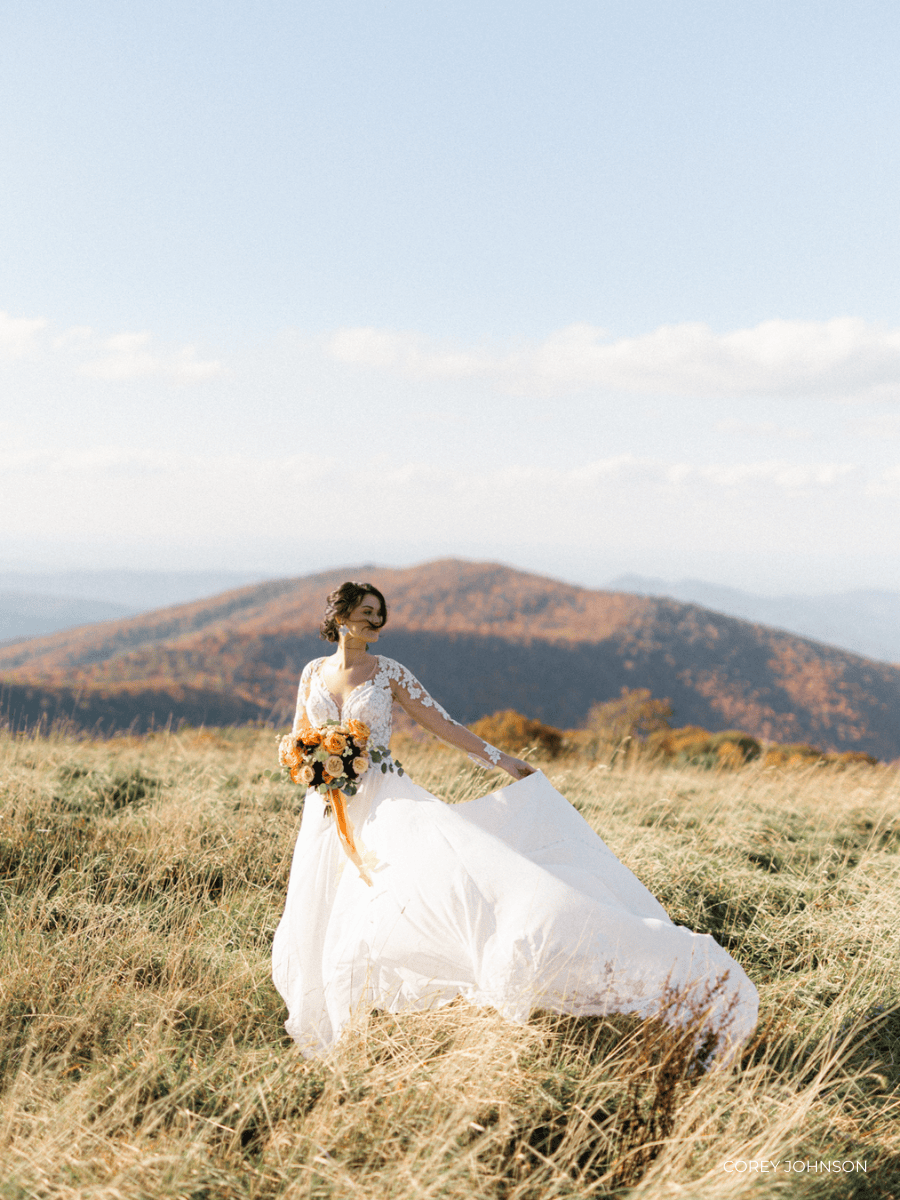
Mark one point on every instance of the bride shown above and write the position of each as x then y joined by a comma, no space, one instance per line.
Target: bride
510,901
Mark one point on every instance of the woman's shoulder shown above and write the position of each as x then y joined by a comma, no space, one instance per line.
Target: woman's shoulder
311,666
391,669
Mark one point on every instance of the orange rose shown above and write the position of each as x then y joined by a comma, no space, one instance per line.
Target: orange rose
360,730
287,751
334,765
311,737
334,742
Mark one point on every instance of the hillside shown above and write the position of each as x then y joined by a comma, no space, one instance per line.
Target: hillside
481,637
142,1046
133,591
865,621
35,614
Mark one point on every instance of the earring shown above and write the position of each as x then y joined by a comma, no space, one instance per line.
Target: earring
342,629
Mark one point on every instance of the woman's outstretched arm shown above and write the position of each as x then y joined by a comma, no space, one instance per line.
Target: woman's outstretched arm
425,711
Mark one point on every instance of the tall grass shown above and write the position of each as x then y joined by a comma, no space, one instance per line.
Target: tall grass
141,1043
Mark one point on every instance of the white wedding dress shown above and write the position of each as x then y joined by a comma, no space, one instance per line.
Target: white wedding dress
510,901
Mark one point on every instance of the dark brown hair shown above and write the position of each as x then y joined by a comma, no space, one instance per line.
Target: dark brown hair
341,603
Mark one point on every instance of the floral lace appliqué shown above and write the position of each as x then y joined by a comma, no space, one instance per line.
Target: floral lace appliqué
415,691
373,702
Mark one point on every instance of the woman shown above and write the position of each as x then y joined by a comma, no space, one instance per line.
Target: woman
511,900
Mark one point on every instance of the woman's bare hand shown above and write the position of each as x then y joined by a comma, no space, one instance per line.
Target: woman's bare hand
517,767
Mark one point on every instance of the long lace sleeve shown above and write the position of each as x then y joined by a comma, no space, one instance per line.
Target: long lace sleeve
301,721
425,711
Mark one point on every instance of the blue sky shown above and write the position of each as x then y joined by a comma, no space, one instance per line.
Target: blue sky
583,287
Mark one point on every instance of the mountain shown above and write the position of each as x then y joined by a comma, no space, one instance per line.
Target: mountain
33,614
866,621
33,603
481,637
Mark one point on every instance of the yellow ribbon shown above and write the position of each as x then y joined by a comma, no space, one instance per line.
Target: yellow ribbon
345,833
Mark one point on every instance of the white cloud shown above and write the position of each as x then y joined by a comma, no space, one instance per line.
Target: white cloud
120,358
19,335
206,507
631,471
77,335
842,358
405,353
879,427
129,356
768,430
886,485
621,470
96,462
783,475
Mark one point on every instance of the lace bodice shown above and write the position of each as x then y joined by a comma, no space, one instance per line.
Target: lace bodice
372,701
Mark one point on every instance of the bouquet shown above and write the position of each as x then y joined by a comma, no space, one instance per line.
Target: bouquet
332,759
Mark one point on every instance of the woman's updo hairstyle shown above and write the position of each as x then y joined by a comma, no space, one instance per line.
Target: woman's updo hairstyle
341,603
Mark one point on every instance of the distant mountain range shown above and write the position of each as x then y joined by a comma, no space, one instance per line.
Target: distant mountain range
33,614
481,637
866,621
34,603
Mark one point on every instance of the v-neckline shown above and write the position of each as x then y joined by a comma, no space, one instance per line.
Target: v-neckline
339,708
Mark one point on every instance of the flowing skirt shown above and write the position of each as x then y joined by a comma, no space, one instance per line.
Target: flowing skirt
511,900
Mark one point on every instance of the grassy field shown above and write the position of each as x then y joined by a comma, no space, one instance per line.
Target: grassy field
141,1042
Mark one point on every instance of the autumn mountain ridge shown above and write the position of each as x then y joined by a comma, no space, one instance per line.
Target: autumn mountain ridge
865,621
481,637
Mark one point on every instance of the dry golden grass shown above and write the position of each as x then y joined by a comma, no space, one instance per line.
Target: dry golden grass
141,1041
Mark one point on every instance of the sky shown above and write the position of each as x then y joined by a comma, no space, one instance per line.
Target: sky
583,287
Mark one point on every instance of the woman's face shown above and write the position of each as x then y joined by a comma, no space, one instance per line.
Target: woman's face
363,621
